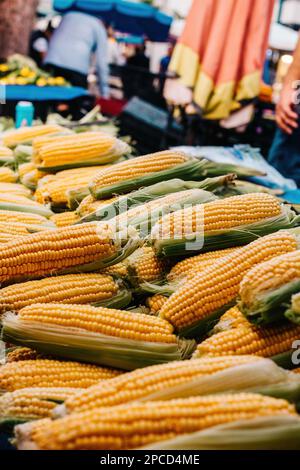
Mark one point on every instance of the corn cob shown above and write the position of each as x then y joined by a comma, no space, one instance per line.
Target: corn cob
267,288
23,153
89,205
135,425
23,354
155,303
202,300
119,270
58,138
147,194
114,338
16,189
25,168
133,174
7,175
85,149
6,156
54,189
15,230
79,248
196,263
94,289
25,218
25,135
51,373
155,168
143,383
16,203
250,339
220,224
33,403
233,318
65,219
144,266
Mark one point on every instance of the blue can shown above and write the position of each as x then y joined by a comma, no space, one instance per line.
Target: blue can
24,114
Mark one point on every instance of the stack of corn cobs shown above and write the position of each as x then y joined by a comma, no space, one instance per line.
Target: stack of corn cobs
149,302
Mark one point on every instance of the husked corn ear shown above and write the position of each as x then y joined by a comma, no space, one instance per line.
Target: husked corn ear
59,138
155,303
105,321
7,175
23,218
23,354
5,152
14,188
27,134
250,339
134,425
265,279
199,263
51,373
16,199
13,230
224,214
65,219
54,189
119,269
139,384
85,149
90,205
33,403
210,291
133,169
25,168
233,318
56,250
145,266
68,289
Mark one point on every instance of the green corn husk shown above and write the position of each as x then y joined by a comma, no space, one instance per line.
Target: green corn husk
193,169
271,306
238,188
75,197
81,345
23,154
32,209
118,150
7,161
266,433
121,300
150,193
221,239
144,221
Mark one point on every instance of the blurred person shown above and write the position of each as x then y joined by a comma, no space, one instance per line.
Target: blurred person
164,66
39,43
114,53
72,47
139,58
285,152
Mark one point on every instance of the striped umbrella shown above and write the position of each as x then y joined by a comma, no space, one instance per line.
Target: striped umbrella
221,53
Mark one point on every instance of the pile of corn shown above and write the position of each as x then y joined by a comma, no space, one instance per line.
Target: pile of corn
147,302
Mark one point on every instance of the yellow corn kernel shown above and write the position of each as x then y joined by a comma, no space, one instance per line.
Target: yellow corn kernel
155,303
90,205
105,321
33,403
16,189
249,339
53,251
68,289
22,218
23,354
135,425
222,214
233,318
196,263
65,219
138,167
269,275
7,175
145,266
119,269
51,373
27,134
139,384
211,290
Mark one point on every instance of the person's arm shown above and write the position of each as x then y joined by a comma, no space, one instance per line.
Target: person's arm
102,62
286,117
41,46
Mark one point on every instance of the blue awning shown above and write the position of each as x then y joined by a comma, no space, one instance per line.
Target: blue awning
137,19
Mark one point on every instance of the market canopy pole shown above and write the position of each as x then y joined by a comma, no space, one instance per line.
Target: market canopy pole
16,23
221,52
